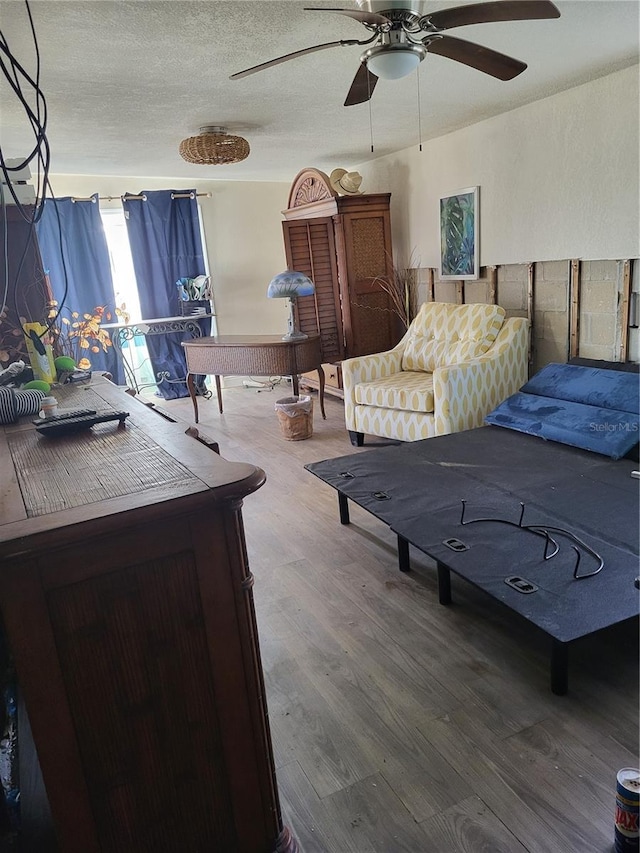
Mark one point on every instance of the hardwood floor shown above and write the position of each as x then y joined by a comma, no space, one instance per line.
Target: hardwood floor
400,725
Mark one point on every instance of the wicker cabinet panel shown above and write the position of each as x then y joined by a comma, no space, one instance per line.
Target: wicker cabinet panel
372,324
369,246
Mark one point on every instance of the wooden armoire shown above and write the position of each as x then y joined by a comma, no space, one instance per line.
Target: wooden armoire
343,243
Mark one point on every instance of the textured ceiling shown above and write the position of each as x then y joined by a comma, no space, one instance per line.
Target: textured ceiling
126,81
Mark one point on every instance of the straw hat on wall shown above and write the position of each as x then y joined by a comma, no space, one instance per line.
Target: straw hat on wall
345,183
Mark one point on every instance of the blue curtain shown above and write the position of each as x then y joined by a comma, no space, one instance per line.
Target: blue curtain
75,229
164,234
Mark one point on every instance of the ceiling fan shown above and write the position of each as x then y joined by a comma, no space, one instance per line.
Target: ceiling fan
404,36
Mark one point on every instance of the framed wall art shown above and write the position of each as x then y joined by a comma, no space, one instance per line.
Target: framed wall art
459,235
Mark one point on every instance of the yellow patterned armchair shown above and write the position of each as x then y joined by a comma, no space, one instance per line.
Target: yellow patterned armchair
452,367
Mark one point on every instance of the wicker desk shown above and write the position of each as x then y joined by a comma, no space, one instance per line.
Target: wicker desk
247,355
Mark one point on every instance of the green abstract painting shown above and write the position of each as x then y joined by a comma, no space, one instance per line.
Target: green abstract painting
459,235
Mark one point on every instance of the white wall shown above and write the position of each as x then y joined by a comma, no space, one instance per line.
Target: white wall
558,179
246,249
243,233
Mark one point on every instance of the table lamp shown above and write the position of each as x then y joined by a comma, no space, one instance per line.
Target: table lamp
291,284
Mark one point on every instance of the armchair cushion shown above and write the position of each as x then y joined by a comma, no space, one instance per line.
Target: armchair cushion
409,391
444,334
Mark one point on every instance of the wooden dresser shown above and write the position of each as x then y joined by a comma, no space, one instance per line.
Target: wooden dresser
126,599
343,243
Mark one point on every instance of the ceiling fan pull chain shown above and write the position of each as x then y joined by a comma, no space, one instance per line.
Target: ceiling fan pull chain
419,115
370,119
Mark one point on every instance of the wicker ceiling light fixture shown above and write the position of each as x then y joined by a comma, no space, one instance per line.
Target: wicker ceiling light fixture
213,146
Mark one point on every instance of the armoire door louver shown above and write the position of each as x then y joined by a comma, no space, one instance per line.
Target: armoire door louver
310,248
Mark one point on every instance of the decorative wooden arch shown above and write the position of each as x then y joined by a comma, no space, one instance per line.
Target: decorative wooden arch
310,185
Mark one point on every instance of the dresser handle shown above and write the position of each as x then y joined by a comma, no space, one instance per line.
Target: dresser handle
160,412
203,439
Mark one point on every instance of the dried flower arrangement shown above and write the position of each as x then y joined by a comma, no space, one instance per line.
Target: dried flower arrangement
401,288
77,337
12,345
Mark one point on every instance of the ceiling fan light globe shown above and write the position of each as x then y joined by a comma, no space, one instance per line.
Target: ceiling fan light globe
391,62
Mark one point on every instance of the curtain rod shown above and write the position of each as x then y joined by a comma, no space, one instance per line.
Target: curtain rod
140,197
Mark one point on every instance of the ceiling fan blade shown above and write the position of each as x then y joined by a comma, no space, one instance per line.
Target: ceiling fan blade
294,55
362,87
358,14
499,10
476,56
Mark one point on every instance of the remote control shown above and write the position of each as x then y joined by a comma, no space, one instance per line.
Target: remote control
63,416
82,422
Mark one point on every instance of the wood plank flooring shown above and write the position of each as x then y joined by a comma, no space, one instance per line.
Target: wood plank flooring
400,725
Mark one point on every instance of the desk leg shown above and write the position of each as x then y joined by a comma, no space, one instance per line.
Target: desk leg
559,667
444,584
191,385
321,390
294,384
219,393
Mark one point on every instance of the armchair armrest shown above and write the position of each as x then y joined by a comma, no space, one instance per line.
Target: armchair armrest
465,393
366,368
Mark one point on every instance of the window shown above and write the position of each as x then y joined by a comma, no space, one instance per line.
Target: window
124,278
126,292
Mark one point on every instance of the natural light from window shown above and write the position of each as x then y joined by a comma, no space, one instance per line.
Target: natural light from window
126,293
124,278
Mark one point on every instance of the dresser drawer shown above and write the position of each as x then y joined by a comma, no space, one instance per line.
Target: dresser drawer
332,377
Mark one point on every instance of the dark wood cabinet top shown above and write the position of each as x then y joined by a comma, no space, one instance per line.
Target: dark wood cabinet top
50,485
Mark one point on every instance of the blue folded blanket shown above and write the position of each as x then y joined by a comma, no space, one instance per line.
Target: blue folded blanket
610,389
584,407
